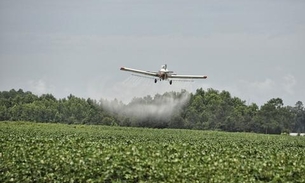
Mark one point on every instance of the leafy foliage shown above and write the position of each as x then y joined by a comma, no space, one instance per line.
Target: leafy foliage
204,110
36,152
19,105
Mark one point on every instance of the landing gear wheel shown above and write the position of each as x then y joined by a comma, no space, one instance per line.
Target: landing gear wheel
156,80
170,82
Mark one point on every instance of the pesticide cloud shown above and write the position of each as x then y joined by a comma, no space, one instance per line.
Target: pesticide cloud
143,99
160,107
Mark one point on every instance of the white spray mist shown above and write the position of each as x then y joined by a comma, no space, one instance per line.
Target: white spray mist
161,107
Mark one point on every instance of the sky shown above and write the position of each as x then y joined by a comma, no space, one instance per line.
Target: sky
253,49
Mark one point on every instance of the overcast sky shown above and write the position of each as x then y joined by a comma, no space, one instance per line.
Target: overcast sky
253,49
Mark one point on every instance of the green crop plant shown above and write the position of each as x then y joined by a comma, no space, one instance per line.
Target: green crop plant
36,152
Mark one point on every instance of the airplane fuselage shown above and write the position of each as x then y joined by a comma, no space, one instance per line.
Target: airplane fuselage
163,75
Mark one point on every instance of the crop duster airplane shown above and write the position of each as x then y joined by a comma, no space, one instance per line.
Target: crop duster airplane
164,74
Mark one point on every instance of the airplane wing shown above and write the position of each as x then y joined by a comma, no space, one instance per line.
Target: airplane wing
154,74
176,76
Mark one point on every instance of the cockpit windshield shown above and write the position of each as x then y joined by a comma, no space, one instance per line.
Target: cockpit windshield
164,67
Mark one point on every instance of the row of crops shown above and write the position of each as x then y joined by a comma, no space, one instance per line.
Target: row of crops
34,152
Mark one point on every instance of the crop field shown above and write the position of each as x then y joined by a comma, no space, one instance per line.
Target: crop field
36,152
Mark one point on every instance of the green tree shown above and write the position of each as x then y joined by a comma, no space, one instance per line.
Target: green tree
299,112
3,113
273,117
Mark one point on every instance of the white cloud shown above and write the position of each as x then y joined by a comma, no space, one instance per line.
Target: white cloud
40,87
289,83
262,91
263,87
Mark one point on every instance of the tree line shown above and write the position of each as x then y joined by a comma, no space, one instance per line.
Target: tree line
204,110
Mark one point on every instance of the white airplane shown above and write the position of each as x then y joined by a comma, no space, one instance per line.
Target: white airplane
164,74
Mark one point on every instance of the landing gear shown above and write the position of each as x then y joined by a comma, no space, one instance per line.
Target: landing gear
170,82
156,80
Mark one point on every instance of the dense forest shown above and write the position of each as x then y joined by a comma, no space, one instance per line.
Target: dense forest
204,110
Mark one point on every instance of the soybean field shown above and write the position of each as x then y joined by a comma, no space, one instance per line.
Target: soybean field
41,152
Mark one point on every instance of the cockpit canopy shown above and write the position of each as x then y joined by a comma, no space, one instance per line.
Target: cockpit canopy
164,67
